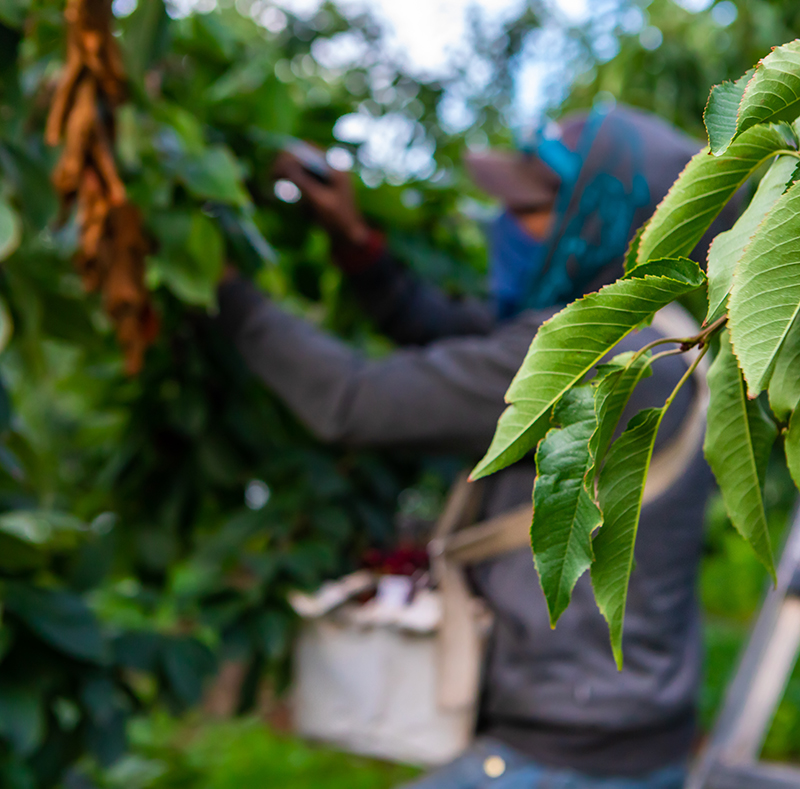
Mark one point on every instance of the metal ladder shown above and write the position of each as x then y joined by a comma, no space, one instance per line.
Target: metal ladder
730,760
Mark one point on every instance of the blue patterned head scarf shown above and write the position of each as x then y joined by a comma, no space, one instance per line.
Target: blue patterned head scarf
603,187
515,264
603,193
619,164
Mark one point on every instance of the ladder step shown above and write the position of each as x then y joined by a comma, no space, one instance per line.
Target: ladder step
753,776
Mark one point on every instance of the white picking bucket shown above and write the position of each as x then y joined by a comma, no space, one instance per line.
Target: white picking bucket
366,679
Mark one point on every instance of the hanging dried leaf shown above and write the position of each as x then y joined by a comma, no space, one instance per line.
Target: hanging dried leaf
112,245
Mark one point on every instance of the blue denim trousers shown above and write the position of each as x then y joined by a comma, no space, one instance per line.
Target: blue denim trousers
490,764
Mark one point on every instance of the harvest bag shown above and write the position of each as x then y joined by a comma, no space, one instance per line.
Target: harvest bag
401,681
393,679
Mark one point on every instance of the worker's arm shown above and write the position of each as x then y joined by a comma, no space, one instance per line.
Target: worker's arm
409,310
402,306
443,397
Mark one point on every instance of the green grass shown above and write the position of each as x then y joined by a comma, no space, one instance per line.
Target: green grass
192,753
239,754
724,641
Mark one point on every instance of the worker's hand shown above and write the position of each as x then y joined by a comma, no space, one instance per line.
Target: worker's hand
229,273
333,203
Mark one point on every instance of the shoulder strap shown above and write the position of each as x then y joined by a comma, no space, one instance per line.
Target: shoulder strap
670,462
460,509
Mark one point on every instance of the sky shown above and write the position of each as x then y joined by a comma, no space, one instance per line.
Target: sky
424,35
427,36
426,32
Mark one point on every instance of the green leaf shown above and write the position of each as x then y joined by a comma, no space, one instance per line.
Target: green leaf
145,36
243,240
765,298
739,437
5,408
107,742
214,175
98,696
620,492
613,386
27,538
28,169
706,184
43,528
784,385
16,556
205,243
61,619
13,12
242,78
186,664
6,325
588,329
727,248
137,649
772,94
564,512
632,253
791,446
722,112
6,637
10,38
191,261
273,634
190,131
10,230
22,720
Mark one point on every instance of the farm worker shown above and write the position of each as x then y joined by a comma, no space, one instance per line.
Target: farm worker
555,711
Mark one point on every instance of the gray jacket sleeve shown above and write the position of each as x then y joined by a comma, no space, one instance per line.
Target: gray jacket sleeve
444,397
411,311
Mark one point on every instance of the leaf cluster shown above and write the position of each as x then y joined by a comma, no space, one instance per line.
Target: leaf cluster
588,495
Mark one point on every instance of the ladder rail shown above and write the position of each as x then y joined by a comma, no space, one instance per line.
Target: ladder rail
756,690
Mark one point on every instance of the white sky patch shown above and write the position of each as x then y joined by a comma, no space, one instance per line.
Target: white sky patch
392,144
340,50
695,5
426,34
575,10
530,81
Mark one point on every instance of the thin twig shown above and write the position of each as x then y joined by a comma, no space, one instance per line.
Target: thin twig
673,352
685,377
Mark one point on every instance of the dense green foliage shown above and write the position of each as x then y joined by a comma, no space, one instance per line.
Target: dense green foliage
685,54
160,569
237,754
130,563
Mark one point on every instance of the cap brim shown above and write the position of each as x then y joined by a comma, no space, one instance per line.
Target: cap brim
518,180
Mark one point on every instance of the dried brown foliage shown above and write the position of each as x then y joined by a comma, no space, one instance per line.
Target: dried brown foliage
112,244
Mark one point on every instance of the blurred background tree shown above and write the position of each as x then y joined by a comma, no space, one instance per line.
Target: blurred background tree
151,525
